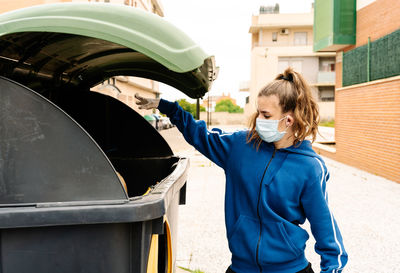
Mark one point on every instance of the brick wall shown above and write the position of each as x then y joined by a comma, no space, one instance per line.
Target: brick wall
376,20
368,127
338,68
367,131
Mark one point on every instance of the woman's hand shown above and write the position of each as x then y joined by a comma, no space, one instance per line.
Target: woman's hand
146,103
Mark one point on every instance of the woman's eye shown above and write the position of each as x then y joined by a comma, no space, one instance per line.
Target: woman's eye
266,116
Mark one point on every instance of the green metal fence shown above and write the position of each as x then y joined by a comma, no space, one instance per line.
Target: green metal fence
377,60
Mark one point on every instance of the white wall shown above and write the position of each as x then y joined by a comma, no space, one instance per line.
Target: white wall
326,110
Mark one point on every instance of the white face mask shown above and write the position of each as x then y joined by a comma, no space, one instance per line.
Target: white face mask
268,129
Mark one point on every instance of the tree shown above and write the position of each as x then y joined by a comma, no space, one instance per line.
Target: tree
190,107
227,106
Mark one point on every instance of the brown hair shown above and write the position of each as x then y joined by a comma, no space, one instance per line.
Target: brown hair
294,95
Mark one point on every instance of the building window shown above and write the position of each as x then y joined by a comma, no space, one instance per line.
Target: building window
260,38
326,93
300,38
274,36
284,63
247,99
327,65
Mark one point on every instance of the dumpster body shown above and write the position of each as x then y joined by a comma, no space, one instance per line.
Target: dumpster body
86,183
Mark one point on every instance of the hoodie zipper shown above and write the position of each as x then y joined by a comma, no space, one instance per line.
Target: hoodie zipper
258,210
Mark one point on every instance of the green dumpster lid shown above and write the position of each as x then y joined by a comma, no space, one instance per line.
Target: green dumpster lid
82,44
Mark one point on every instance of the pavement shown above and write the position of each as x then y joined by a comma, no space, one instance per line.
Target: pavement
366,208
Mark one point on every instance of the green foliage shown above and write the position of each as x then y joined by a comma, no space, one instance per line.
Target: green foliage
227,106
187,106
191,271
329,123
190,107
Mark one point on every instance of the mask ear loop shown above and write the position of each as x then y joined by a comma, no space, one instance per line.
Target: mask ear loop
286,126
285,117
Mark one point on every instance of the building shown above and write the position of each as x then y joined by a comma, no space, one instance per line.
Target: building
366,37
282,40
121,87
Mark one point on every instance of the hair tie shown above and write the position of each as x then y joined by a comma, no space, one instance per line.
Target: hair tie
289,79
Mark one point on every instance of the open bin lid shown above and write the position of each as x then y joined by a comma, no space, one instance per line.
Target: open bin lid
45,156
79,45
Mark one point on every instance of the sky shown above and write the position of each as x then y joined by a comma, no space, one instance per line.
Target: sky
221,28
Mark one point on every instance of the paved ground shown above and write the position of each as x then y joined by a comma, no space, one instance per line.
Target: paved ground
366,207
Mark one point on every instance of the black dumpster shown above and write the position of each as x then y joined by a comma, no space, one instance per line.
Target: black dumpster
86,183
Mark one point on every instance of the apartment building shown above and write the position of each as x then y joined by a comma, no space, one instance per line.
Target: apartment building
122,87
366,37
282,40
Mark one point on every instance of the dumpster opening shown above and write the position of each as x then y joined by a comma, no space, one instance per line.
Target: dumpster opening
141,173
136,150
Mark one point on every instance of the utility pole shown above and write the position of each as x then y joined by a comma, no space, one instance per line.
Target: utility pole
198,109
208,110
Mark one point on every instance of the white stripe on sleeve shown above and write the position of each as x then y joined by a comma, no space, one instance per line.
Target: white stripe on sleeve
332,222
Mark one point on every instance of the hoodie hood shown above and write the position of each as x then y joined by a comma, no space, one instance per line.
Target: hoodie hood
304,148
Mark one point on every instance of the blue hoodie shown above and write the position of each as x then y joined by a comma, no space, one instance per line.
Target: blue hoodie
269,194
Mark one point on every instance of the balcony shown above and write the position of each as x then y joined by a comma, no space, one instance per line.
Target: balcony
326,78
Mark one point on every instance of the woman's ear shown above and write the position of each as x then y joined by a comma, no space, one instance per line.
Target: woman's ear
289,120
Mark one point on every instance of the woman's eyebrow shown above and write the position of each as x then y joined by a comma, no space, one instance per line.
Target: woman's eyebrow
264,111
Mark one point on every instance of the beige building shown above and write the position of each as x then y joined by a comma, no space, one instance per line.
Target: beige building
121,87
283,40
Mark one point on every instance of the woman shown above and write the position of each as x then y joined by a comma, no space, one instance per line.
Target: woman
274,180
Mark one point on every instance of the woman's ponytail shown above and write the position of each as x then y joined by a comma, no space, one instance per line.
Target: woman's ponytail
306,112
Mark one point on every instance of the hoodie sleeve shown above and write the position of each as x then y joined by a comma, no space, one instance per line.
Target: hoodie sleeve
329,243
215,144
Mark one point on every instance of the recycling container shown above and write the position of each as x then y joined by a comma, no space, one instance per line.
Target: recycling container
86,183
151,120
